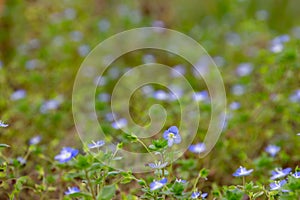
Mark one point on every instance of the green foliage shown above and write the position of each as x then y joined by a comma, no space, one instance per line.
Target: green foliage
40,54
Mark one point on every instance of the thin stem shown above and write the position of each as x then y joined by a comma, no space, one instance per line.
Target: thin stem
90,184
107,169
196,182
145,146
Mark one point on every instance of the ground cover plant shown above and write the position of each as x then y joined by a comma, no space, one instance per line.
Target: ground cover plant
255,46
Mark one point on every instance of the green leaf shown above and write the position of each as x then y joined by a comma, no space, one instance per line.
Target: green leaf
82,162
4,146
81,194
131,137
107,192
258,194
204,173
158,144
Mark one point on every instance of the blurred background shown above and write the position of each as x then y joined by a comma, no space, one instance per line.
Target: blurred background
254,43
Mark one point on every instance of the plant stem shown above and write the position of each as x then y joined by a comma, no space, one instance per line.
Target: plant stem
145,146
196,182
90,184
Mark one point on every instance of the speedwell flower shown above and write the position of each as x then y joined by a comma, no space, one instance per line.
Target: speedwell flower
97,144
197,148
272,150
158,184
2,124
196,195
157,165
172,135
35,140
296,175
242,171
72,190
66,154
280,173
180,180
277,185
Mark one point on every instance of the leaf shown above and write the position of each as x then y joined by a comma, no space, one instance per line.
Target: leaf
204,173
131,137
81,194
107,192
258,194
4,146
82,162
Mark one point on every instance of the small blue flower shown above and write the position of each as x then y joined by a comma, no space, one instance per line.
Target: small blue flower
198,148
272,150
196,195
201,96
234,105
2,124
72,190
66,154
172,135
50,105
157,165
296,175
277,44
35,140
242,171
119,124
277,185
244,69
97,144
295,97
280,173
21,160
158,184
161,95
83,50
180,181
19,94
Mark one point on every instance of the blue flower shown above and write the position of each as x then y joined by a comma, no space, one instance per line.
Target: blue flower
83,50
196,195
242,171
280,173
19,94
277,185
72,190
21,160
296,175
35,140
180,181
272,150
197,148
97,144
234,105
2,124
201,96
158,184
66,154
172,135
244,69
157,165
278,42
119,124
50,105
